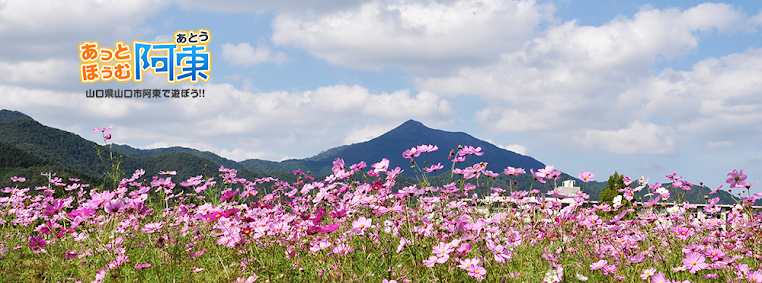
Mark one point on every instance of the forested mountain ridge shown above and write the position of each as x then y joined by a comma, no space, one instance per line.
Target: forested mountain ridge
26,147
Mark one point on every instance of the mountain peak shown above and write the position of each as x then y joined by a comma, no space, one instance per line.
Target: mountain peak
8,115
412,133
412,123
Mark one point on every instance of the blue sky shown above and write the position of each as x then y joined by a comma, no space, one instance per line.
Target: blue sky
646,88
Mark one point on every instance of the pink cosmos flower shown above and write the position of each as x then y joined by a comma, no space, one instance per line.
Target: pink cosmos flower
586,176
539,176
228,194
152,227
433,260
609,269
673,177
598,264
471,150
659,278
18,179
468,263
427,148
591,220
342,249
100,198
359,225
250,279
555,174
338,165
510,171
714,254
410,153
694,262
100,274
435,167
390,175
736,179
477,272
280,227
358,166
501,254
381,166
754,276
442,249
113,206
683,232
647,273
464,248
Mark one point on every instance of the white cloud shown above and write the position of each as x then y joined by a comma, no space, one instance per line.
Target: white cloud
48,28
363,134
719,144
236,154
239,154
247,6
246,124
41,16
583,79
517,148
638,138
246,55
35,71
719,98
427,37
652,167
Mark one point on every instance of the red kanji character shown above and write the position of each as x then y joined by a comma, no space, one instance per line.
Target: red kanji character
123,71
106,55
123,52
88,72
88,51
107,73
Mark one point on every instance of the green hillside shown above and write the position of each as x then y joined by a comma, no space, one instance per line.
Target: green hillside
28,148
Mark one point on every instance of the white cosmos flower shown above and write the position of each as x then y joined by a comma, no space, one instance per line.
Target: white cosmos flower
581,277
617,200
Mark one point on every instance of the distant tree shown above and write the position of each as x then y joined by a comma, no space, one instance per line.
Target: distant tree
615,183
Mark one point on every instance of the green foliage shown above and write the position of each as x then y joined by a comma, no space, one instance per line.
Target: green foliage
59,147
8,115
615,183
11,156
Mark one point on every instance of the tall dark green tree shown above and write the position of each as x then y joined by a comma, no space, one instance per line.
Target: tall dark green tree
615,183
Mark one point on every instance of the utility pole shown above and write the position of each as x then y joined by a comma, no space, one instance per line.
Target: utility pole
49,175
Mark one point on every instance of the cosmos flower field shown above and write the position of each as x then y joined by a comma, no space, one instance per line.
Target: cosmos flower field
354,226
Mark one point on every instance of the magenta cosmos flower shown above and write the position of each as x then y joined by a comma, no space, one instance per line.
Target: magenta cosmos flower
37,242
735,178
